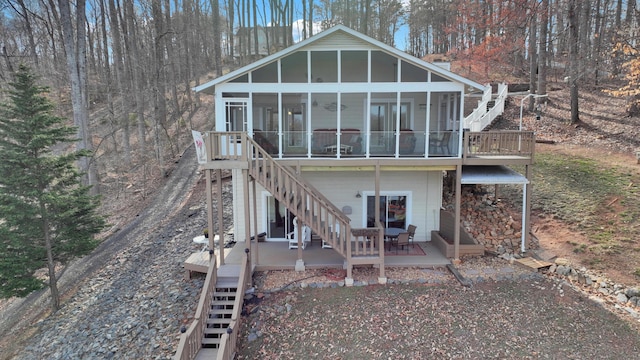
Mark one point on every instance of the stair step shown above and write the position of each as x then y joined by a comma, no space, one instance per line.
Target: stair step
221,312
222,300
215,331
210,342
227,283
218,321
222,305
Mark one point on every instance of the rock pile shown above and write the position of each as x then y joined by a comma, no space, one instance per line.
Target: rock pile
598,287
489,221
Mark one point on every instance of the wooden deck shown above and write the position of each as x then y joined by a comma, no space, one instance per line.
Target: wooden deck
276,255
197,262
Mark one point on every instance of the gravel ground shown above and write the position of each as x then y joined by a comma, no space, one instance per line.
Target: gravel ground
522,315
129,298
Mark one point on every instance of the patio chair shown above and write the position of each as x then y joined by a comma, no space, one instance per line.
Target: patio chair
411,229
440,143
293,236
401,240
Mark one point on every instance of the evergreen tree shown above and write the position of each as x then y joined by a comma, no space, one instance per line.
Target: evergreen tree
47,216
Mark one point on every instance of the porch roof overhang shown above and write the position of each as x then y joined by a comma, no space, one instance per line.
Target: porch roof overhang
494,174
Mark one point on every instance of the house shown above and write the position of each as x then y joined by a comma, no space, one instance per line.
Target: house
352,137
269,40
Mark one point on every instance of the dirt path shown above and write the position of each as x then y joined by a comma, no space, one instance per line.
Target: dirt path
19,315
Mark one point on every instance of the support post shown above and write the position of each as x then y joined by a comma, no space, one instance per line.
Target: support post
526,210
220,217
456,229
255,222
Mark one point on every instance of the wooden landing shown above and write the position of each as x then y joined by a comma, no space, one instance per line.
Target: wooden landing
198,262
533,264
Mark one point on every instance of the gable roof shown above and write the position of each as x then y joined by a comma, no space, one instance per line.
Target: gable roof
210,86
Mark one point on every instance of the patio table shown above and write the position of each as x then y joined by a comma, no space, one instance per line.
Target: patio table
392,233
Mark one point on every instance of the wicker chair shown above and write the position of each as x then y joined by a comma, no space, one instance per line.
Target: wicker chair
401,240
411,229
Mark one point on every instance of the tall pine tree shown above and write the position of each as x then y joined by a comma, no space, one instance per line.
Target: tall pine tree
47,216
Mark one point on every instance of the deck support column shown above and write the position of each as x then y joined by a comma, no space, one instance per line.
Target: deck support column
209,190
526,211
300,265
255,257
247,213
220,217
456,229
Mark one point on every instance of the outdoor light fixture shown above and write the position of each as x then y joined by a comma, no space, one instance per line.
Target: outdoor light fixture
358,195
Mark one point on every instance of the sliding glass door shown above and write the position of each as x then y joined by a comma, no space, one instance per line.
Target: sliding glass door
392,209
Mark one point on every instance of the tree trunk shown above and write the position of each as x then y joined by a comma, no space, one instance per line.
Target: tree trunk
116,41
160,105
137,83
76,65
542,52
533,63
573,61
28,28
217,50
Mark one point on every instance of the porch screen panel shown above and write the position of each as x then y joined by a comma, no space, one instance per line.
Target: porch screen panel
353,111
354,66
413,117
265,121
412,73
324,123
294,124
294,68
266,74
382,124
444,124
324,66
384,67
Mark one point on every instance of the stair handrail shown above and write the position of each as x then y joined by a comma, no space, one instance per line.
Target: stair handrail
300,182
332,225
229,340
191,340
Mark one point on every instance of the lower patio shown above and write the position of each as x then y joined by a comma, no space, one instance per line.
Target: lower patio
276,255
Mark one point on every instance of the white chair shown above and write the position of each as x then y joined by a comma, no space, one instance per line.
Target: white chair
293,236
326,245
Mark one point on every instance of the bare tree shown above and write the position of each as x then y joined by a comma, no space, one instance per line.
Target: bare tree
159,89
76,65
542,50
574,71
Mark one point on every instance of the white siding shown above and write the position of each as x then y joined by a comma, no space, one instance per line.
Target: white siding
339,40
340,187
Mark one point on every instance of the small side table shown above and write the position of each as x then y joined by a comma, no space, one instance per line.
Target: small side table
204,241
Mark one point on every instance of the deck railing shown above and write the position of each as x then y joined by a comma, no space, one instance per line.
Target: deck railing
228,341
191,341
499,143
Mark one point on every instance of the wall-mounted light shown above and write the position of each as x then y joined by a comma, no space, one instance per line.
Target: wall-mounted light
358,195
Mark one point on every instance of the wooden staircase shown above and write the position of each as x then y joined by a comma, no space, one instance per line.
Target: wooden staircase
219,316
314,209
